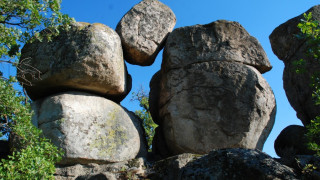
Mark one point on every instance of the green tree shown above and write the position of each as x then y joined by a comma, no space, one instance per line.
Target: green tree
144,114
21,21
310,30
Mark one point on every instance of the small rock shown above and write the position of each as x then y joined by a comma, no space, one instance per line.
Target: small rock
143,31
292,141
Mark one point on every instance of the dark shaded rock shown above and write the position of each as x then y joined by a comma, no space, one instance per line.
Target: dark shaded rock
289,49
159,145
237,164
218,41
154,95
292,141
214,105
88,57
143,31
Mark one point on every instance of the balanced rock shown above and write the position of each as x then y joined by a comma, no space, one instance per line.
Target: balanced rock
87,57
289,48
216,104
143,31
292,141
89,128
218,41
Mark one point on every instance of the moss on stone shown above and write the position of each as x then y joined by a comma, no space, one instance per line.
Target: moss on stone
110,135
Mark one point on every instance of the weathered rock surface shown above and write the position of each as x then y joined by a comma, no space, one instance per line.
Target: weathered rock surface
89,128
88,57
133,169
219,164
289,48
213,105
292,141
236,164
218,41
143,31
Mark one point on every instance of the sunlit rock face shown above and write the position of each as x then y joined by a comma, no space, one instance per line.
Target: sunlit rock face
89,128
212,94
87,57
143,31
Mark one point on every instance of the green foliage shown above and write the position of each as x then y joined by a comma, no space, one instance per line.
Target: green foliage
37,156
21,21
310,31
145,116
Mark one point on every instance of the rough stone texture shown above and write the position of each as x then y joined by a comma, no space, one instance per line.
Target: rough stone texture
217,104
89,128
289,48
154,94
133,169
292,141
218,41
88,57
143,31
219,164
237,164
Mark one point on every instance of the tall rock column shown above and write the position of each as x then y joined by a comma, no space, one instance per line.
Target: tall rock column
212,92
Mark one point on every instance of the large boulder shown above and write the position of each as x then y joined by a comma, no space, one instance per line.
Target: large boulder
289,48
292,141
89,128
87,57
218,41
143,31
213,105
238,164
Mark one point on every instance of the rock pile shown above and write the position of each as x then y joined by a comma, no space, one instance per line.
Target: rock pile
80,72
210,92
289,48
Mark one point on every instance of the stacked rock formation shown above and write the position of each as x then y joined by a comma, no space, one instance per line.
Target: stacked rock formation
77,71
77,79
289,48
210,92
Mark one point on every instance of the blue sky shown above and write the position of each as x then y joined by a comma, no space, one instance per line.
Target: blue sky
259,18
